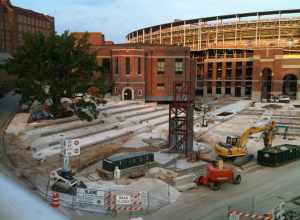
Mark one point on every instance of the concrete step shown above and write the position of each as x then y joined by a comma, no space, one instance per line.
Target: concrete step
128,108
143,112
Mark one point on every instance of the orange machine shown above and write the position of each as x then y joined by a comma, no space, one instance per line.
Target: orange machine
216,175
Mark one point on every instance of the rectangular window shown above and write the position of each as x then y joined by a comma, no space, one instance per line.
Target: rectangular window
116,65
160,66
139,65
178,66
209,70
116,90
106,65
140,92
127,65
160,86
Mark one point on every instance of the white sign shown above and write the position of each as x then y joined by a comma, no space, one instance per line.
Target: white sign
123,200
72,147
90,196
234,217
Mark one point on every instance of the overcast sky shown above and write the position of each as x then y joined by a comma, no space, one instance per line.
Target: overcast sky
116,18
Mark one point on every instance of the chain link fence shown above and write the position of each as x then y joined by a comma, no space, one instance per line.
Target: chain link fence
113,201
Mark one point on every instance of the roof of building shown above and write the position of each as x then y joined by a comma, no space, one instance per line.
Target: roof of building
140,46
27,11
122,156
221,17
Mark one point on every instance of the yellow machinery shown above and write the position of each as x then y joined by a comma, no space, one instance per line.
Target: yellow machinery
235,146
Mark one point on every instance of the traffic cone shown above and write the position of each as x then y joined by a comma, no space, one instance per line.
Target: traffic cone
55,200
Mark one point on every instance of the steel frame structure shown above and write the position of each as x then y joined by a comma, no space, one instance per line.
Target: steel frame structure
181,118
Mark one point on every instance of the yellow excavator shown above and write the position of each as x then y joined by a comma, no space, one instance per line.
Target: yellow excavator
235,146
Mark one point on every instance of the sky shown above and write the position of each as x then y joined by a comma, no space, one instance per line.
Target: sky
117,18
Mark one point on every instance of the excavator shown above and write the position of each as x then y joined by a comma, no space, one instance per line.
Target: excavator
235,146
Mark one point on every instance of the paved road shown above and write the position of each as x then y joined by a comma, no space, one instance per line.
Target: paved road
8,105
268,186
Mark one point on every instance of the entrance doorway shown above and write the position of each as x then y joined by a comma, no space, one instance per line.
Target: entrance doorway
266,83
127,94
289,86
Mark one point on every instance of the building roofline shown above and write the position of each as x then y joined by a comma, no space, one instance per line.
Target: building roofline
32,12
139,46
215,18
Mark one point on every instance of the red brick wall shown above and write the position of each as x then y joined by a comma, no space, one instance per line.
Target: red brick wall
93,38
144,84
19,21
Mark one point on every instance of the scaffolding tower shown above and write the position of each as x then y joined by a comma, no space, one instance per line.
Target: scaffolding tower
181,118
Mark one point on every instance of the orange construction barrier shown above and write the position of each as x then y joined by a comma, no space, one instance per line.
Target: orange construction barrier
55,200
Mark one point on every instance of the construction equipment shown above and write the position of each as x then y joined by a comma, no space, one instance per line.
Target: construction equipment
216,173
62,179
235,146
64,182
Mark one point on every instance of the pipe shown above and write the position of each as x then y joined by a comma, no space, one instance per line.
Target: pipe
17,203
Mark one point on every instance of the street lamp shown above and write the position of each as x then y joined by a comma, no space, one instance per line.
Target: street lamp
290,43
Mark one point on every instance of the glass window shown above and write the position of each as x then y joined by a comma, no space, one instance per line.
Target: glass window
139,65
117,65
160,66
127,65
160,86
179,66
106,65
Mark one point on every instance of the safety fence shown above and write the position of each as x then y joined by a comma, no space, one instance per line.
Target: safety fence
112,201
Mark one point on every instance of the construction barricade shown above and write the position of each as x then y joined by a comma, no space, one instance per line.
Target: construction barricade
126,201
236,215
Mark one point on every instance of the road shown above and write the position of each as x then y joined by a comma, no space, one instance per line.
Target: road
8,105
266,187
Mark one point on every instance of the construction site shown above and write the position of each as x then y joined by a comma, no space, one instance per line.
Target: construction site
142,158
200,120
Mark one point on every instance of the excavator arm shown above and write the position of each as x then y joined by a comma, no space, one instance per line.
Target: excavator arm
268,134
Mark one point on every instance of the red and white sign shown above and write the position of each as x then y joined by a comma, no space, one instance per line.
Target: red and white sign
72,147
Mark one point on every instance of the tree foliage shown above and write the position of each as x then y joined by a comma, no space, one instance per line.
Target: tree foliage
58,62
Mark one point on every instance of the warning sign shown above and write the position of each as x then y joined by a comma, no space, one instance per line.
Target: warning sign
72,147
123,200
90,196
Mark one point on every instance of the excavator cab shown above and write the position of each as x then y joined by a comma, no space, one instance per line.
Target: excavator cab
233,141
231,148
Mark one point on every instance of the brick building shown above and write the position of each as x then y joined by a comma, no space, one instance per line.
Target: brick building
146,71
141,71
15,21
249,54
93,38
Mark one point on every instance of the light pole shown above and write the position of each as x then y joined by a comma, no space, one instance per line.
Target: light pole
290,44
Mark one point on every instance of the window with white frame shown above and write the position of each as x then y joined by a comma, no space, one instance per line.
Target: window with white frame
179,66
160,66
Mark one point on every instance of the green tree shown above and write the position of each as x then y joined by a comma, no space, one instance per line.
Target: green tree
58,62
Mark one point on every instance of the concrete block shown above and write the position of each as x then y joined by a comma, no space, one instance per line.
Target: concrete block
184,180
186,187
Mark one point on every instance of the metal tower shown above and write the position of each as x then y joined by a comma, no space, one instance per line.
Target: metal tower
181,118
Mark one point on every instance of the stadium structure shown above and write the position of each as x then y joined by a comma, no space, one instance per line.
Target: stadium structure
253,54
